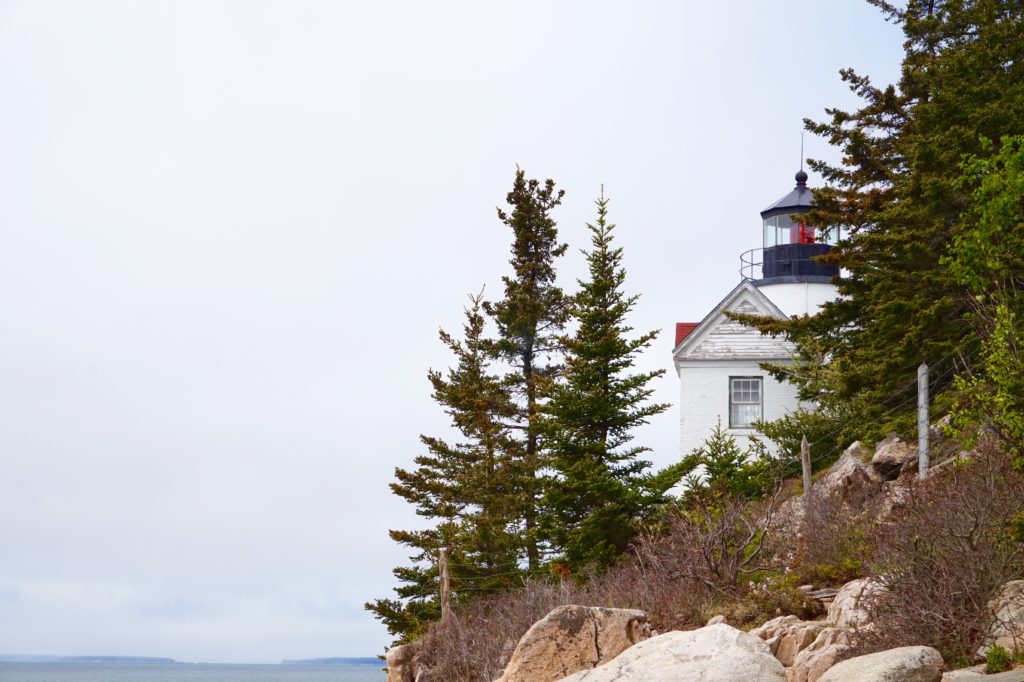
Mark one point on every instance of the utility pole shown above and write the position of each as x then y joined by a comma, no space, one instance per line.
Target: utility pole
922,421
446,599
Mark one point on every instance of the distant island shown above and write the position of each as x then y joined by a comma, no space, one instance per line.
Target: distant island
334,661
83,659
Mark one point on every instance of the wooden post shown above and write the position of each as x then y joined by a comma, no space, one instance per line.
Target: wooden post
922,421
446,599
805,464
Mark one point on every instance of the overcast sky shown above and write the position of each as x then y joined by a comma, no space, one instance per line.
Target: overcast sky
229,233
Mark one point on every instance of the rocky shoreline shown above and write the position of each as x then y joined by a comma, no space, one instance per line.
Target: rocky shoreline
576,643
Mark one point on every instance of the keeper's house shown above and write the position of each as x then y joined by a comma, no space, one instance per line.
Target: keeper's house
718,360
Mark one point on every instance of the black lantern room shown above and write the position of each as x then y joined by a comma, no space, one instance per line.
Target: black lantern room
790,246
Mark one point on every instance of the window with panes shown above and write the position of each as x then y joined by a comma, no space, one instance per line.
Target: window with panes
745,402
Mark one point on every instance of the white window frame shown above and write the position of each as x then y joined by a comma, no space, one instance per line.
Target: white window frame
757,382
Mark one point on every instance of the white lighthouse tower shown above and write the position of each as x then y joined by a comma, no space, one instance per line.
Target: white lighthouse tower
718,360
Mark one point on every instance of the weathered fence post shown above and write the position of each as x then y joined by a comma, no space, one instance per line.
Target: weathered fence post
922,421
805,464
442,566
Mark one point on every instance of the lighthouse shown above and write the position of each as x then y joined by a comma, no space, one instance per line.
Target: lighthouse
718,360
788,272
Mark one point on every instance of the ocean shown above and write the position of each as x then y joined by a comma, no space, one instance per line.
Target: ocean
187,672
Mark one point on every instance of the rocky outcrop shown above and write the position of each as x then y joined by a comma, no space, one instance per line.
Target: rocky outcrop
573,638
1008,629
787,636
891,456
812,662
847,608
715,653
401,667
850,477
905,664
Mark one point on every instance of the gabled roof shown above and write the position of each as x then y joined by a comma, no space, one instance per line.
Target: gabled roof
718,337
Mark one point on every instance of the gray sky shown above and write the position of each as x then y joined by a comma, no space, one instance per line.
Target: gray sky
229,232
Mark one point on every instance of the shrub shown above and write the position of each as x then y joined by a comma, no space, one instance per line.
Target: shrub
712,549
701,556
997,659
832,545
945,557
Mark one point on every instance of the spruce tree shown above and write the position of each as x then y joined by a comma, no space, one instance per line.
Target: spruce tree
597,491
897,199
529,319
461,487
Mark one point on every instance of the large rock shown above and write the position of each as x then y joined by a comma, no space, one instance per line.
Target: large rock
891,455
573,638
1008,629
850,478
847,608
787,636
811,663
905,664
401,667
716,653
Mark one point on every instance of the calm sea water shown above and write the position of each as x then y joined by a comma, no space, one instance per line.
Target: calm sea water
199,672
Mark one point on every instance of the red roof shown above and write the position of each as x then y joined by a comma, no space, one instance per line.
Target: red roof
683,330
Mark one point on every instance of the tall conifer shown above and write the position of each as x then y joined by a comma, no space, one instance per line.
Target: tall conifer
462,487
897,198
597,491
529,319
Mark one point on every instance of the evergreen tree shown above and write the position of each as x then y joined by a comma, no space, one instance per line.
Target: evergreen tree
897,199
529,319
597,492
719,467
462,487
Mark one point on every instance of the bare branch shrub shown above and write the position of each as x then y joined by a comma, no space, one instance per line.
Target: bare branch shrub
477,641
705,553
945,557
710,550
832,544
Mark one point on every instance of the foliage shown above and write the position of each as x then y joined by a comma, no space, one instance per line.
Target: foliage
897,197
597,493
987,257
460,486
987,254
997,659
719,467
945,557
821,427
529,319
